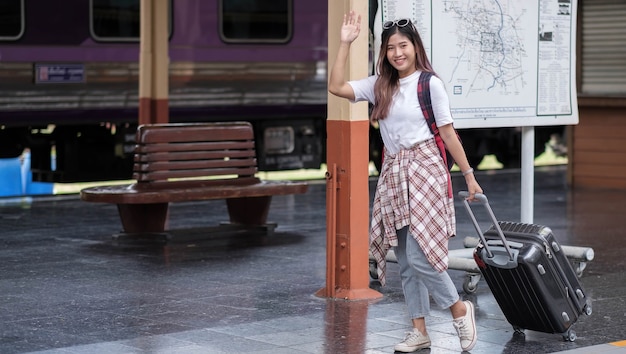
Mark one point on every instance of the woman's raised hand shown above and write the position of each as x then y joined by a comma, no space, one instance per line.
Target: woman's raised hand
351,27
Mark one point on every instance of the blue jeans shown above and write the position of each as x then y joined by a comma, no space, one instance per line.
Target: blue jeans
419,279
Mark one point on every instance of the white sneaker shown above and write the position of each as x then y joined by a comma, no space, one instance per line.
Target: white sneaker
466,327
413,341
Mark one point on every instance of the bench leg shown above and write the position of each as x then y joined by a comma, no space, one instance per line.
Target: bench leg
143,218
249,211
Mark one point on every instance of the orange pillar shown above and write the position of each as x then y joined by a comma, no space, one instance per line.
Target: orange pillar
153,62
347,275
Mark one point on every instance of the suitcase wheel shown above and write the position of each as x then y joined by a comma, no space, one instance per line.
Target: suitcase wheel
470,284
569,336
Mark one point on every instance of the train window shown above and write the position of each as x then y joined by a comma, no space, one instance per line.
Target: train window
118,20
256,21
11,19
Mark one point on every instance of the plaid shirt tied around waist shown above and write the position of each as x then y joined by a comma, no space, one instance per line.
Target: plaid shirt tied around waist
413,190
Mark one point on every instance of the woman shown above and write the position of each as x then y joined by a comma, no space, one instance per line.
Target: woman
413,209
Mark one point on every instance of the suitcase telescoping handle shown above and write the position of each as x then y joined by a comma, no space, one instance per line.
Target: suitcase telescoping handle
482,199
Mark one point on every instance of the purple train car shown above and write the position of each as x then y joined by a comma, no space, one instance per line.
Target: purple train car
69,79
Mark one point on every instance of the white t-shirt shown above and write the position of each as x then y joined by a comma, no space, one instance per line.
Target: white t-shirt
405,125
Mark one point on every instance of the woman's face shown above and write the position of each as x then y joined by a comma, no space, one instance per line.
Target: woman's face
401,54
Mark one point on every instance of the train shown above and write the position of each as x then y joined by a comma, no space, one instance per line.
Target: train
69,83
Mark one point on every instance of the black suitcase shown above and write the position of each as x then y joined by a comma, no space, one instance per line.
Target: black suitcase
529,276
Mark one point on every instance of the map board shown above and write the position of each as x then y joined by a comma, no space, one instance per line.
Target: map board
505,63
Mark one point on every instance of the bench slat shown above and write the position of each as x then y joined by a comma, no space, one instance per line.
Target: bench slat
165,175
195,165
194,183
246,145
201,132
196,155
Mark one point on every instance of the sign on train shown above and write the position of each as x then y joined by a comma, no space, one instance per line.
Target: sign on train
59,73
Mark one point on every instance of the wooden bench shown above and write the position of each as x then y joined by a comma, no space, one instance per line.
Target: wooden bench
192,162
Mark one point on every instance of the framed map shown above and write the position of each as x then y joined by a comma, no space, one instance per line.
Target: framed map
504,63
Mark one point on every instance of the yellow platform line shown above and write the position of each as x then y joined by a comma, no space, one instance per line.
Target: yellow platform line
621,343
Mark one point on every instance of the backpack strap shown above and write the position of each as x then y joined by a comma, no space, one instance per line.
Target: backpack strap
423,96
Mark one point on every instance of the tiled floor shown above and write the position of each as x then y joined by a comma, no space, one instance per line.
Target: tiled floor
67,287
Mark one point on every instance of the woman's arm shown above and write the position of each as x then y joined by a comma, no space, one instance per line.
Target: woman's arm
337,84
449,137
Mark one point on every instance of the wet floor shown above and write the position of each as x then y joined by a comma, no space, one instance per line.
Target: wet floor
68,287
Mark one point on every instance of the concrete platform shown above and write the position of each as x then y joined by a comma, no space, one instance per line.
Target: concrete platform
67,287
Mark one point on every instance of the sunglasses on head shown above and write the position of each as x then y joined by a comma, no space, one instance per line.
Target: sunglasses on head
400,23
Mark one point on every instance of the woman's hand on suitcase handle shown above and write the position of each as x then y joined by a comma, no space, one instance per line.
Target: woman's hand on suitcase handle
472,186
478,196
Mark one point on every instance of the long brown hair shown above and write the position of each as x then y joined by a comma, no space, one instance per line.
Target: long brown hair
388,80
